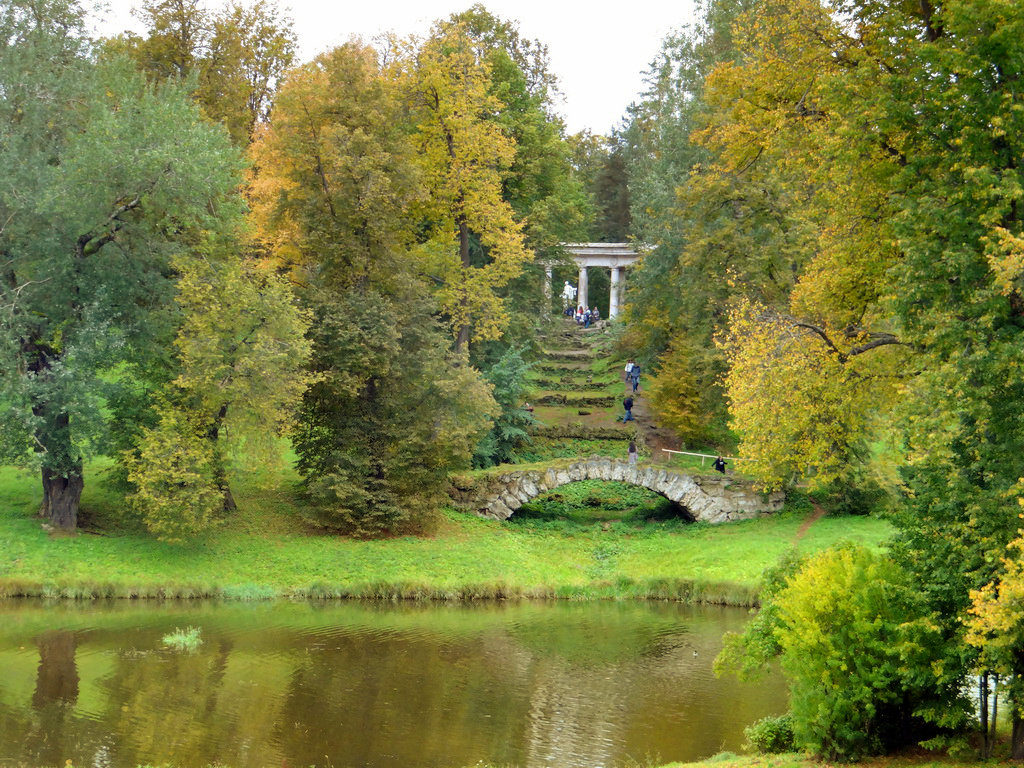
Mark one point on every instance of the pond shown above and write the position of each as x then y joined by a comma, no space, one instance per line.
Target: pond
367,684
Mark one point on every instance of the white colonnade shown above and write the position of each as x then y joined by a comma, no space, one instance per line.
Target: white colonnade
613,256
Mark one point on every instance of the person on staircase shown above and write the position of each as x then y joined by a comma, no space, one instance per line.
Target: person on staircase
634,377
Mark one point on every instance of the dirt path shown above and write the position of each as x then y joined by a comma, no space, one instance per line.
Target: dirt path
658,439
818,513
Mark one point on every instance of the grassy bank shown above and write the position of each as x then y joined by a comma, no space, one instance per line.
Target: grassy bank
265,552
726,760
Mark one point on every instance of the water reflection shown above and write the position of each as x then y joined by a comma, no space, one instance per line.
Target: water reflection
530,684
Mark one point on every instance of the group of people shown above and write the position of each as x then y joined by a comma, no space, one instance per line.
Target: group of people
632,374
583,316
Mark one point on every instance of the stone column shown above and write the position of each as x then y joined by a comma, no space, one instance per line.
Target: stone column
582,299
613,298
547,289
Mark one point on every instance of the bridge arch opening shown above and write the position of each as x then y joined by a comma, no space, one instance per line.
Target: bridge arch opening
600,502
711,498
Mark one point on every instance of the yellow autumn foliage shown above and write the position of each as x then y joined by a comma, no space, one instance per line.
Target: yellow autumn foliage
800,408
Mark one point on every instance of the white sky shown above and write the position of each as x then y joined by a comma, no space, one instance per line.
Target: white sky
598,49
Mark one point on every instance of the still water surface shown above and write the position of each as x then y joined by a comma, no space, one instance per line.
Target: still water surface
366,684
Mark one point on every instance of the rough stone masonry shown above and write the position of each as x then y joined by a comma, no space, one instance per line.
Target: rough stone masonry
709,499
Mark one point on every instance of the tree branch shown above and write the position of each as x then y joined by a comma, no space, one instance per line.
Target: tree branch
876,339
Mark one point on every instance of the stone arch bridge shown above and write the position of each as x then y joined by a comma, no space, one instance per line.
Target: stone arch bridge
704,498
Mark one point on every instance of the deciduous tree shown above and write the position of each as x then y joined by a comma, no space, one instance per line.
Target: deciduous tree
103,179
335,200
233,57
240,356
465,156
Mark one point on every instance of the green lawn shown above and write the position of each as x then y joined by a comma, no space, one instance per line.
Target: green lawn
267,552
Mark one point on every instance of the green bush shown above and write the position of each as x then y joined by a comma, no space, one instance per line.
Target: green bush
857,652
771,735
863,496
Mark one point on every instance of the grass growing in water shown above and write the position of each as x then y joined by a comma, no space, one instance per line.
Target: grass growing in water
187,639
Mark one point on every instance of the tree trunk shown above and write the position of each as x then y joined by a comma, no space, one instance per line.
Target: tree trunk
462,340
62,468
1017,736
220,474
995,712
986,746
61,498
229,499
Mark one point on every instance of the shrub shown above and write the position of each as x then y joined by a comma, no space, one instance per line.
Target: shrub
771,735
855,646
856,651
673,393
854,496
175,475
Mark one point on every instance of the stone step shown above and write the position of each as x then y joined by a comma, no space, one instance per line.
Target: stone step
577,401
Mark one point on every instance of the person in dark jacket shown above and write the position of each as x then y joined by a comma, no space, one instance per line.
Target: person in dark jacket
719,465
628,405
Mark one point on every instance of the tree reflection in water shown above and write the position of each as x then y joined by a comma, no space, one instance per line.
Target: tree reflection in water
365,684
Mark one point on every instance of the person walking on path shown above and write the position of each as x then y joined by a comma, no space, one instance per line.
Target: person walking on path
628,369
631,453
719,465
628,405
634,377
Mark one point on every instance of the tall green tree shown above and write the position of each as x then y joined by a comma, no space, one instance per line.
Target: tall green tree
234,56
336,200
715,230
465,157
545,194
389,414
103,179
